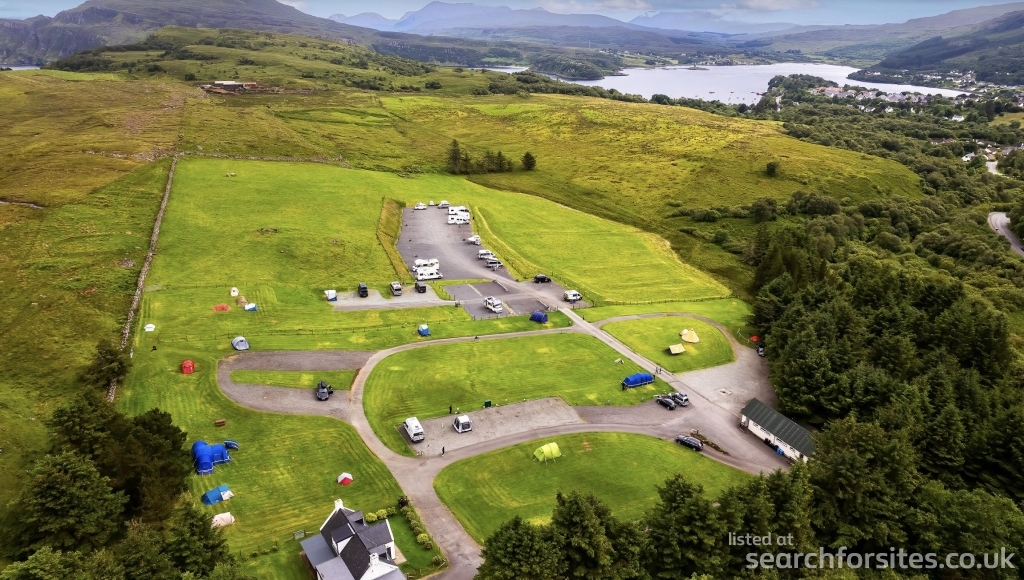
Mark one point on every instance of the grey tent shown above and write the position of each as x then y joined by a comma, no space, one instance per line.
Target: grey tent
239,343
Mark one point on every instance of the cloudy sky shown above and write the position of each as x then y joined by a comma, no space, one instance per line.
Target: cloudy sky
795,11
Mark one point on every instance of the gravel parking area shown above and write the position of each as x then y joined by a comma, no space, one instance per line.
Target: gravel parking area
427,234
295,360
494,423
410,298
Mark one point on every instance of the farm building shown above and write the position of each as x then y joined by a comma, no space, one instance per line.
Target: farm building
347,548
777,430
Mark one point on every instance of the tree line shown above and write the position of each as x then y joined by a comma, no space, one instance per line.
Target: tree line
110,500
460,162
862,491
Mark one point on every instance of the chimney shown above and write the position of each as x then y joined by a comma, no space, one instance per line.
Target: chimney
338,504
374,559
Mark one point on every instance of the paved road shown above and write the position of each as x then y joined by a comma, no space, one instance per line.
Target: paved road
1000,222
416,474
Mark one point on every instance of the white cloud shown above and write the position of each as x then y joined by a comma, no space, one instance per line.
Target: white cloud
774,5
591,6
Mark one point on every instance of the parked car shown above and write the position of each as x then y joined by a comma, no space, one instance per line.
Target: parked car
421,288
420,205
572,296
462,424
484,254
396,288
363,290
475,240
681,399
691,442
432,204
667,402
541,279
324,391
494,263
494,305
444,203
760,350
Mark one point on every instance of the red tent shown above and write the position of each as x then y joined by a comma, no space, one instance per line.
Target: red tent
345,479
755,338
188,367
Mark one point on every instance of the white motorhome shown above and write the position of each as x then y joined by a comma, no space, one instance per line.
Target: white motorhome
494,305
484,255
462,424
427,263
457,209
475,240
414,429
428,274
458,220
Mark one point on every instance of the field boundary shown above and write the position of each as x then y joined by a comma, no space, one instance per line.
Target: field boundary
389,228
137,298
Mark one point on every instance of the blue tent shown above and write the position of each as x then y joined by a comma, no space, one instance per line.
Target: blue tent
231,444
206,456
217,495
637,380
539,316
424,330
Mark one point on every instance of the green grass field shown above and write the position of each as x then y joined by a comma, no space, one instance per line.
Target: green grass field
423,382
622,469
282,478
340,380
650,337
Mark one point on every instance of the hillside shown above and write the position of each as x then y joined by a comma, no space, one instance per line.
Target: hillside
106,22
868,44
994,51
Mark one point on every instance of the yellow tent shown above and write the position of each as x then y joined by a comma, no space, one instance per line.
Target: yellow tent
688,335
676,349
547,451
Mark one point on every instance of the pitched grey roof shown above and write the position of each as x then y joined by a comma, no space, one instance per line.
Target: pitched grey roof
376,535
356,557
779,425
335,570
317,550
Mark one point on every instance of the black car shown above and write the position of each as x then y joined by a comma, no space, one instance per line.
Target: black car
363,290
680,398
691,442
421,287
541,279
667,402
324,391
760,350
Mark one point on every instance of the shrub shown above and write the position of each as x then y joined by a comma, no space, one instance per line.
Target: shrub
416,527
772,169
705,215
432,85
721,237
422,538
254,554
437,561
382,514
190,76
391,511
764,209
370,517
428,545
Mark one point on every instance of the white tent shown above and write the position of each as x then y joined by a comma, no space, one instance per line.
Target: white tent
332,295
239,343
234,292
221,520
149,327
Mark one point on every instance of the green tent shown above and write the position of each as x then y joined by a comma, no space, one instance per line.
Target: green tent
547,451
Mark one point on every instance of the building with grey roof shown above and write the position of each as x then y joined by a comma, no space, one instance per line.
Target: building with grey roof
777,430
347,548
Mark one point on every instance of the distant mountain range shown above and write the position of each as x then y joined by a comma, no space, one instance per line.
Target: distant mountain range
441,17
702,21
100,22
994,50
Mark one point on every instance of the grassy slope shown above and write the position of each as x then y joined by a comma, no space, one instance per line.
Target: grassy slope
284,474
340,380
424,382
650,338
486,490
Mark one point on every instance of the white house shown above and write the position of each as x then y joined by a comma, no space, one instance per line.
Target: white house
968,157
777,430
347,548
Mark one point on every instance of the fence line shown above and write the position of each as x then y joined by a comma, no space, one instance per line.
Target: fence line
112,390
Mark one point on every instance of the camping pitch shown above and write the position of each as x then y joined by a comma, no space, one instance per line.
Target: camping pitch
547,451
